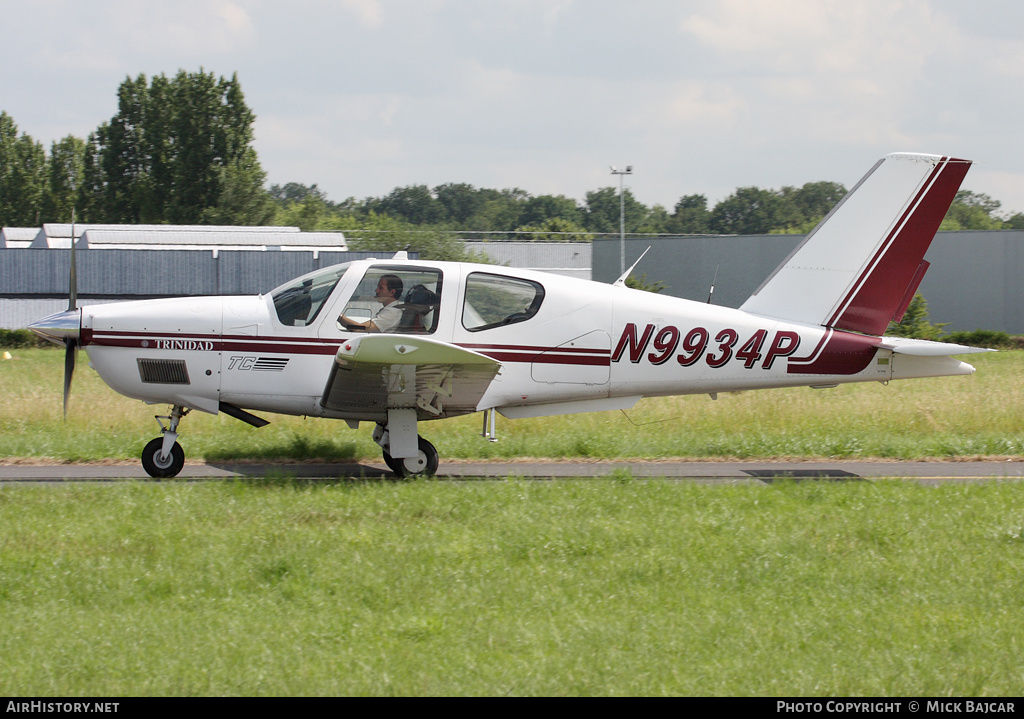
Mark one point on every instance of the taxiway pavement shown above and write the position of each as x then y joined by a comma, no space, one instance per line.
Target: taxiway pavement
756,471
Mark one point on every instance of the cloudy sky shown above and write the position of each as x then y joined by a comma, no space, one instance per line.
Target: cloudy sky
361,96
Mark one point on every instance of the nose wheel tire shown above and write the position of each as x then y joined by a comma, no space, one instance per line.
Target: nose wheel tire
424,464
159,466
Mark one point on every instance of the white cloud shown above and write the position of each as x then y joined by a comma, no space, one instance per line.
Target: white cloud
745,26
369,12
1007,187
702,105
237,21
365,95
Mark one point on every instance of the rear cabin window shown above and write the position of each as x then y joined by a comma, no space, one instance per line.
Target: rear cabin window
497,300
419,299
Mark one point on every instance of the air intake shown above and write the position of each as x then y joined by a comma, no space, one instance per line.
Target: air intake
156,371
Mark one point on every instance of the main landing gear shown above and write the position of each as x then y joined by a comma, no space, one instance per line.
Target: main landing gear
422,461
164,457
405,452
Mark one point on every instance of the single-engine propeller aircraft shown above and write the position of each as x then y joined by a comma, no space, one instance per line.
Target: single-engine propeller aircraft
398,342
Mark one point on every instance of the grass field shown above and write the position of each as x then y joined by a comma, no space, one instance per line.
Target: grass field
602,587
945,417
615,586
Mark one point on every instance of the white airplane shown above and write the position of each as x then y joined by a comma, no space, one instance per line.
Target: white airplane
398,342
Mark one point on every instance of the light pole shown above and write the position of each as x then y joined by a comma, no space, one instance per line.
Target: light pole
622,216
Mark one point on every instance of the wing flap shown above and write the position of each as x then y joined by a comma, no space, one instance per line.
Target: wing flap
375,373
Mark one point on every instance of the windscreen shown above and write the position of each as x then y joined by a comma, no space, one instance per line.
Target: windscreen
298,302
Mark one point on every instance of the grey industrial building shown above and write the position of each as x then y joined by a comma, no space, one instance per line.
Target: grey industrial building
973,282
120,262
116,262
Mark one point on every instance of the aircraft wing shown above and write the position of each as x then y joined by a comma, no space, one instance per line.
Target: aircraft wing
375,373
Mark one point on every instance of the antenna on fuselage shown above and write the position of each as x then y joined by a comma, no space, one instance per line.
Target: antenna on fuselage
713,279
621,282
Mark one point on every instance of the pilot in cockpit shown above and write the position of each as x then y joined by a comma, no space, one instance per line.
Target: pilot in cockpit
389,290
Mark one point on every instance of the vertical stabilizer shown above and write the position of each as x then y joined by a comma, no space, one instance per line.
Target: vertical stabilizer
859,268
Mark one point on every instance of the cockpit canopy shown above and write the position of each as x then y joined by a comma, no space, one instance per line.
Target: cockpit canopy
299,301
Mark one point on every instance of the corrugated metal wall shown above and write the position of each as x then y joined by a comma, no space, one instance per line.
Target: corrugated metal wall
974,282
572,259
17,313
975,279
142,273
34,283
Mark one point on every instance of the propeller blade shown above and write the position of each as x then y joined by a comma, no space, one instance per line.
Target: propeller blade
73,279
71,341
70,357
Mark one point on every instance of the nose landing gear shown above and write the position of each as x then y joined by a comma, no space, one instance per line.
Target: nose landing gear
164,457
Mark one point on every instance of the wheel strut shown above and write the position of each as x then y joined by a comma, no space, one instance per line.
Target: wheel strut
170,432
164,457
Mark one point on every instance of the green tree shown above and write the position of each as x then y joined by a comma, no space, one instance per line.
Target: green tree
804,207
211,127
537,210
308,214
459,202
970,211
691,216
380,233
499,211
64,178
602,212
657,221
414,204
128,194
90,197
177,151
553,229
915,322
641,283
22,175
242,199
295,192
1015,222
748,211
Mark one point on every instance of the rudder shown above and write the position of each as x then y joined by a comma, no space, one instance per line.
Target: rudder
860,267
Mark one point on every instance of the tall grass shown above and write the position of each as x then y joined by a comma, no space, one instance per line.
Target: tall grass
953,417
599,587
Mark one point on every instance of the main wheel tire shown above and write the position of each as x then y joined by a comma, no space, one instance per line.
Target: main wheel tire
424,464
162,467
392,463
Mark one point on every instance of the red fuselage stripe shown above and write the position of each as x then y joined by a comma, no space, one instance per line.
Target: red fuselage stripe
317,346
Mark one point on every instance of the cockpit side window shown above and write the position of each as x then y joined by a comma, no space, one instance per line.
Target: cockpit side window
414,309
497,300
299,302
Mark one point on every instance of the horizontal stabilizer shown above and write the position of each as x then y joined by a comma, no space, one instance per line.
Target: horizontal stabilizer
859,268
927,348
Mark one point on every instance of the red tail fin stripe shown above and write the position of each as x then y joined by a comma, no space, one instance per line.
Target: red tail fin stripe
908,296
813,356
897,229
